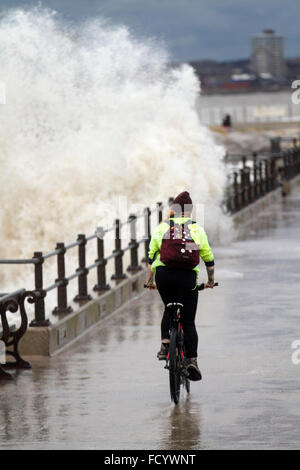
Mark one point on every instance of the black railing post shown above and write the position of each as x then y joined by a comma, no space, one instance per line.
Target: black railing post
294,160
228,204
249,185
273,172
134,246
291,163
284,167
147,228
295,151
298,159
228,196
101,268
236,191
160,211
267,175
287,164
62,302
244,159
82,295
39,306
261,179
255,182
242,187
118,252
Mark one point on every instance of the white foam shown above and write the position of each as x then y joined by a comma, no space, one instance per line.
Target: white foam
91,115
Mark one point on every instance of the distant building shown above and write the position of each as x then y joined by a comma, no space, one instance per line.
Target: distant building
267,59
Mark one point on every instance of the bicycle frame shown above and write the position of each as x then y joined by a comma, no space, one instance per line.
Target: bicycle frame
175,316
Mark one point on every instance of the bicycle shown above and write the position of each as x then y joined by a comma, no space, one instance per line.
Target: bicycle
176,363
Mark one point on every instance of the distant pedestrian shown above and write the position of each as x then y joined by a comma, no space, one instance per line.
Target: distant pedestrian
227,121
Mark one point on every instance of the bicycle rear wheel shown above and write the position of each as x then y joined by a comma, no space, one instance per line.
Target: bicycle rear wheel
174,370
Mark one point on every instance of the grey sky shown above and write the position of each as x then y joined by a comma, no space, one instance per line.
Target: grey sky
191,29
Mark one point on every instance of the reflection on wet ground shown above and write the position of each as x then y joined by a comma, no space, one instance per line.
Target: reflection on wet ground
110,392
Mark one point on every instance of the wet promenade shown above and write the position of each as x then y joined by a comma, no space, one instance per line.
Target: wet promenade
109,391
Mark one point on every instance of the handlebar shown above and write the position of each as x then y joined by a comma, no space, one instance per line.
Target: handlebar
200,287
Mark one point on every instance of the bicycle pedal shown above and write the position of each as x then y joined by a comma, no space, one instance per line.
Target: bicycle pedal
167,367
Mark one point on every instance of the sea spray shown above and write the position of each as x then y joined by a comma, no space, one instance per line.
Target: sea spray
91,116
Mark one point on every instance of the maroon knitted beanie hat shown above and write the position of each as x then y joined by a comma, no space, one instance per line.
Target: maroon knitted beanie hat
183,199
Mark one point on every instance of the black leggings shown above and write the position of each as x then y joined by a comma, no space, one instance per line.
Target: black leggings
177,286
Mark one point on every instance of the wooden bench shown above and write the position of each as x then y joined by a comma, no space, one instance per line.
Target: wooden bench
10,335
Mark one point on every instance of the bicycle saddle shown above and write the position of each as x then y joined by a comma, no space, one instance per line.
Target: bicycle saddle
174,304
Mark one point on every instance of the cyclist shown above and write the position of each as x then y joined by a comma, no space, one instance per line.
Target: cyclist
174,251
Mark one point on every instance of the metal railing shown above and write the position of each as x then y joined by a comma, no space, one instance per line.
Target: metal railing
82,272
249,183
260,174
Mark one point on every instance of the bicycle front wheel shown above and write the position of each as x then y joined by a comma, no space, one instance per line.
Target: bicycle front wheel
174,371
